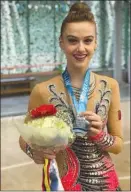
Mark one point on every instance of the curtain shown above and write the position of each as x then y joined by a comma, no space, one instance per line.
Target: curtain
30,34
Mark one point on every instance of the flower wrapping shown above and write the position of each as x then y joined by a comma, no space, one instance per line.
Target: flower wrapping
44,127
46,131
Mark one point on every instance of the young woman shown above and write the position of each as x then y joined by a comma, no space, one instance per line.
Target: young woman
86,165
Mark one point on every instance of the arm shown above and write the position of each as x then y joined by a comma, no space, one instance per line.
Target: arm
34,101
38,156
112,141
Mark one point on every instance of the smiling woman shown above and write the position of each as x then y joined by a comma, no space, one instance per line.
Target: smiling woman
78,42
78,36
93,104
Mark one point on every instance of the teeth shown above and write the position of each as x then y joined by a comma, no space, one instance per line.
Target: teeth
80,57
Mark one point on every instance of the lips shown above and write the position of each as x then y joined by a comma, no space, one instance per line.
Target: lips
80,57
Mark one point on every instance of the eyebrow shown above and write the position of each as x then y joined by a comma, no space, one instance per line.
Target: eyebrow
72,36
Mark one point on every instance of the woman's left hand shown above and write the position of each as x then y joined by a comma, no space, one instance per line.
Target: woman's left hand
95,121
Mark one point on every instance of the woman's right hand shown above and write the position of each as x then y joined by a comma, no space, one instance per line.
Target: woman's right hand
40,153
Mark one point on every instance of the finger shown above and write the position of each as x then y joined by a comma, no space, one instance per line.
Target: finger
94,131
44,155
97,125
93,118
41,149
39,161
87,113
48,151
43,152
60,148
50,156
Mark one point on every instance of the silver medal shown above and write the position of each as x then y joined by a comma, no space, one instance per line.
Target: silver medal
81,126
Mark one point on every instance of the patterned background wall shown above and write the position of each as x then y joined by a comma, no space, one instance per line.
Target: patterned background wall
30,33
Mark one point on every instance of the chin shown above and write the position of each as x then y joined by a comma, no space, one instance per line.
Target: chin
78,64
81,64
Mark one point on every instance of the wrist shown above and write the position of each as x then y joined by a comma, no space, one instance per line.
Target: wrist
29,151
103,139
97,136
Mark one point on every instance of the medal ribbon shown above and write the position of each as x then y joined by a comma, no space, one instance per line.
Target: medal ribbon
80,105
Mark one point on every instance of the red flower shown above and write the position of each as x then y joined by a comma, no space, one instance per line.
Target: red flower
43,110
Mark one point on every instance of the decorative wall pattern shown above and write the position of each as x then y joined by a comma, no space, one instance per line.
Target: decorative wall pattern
30,34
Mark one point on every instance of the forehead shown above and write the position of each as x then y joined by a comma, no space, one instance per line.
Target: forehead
80,29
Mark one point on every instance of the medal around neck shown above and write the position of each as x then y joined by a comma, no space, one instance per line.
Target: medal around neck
81,125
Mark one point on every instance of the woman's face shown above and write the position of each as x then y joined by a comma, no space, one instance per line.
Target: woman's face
78,42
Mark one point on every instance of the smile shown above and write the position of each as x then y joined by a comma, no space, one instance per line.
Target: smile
80,57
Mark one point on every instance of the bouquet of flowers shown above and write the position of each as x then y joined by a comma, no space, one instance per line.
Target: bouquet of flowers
44,126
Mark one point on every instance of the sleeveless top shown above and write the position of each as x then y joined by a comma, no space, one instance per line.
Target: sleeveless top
86,165
97,171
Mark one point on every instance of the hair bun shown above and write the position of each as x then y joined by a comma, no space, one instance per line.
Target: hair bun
79,7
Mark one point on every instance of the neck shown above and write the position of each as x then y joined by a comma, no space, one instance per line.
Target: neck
76,76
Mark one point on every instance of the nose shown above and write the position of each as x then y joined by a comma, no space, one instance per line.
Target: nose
81,47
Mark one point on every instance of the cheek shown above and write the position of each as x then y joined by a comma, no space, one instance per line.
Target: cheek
91,50
69,49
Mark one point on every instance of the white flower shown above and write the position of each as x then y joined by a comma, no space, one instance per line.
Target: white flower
46,131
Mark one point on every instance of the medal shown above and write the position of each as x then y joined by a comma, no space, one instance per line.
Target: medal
81,125
82,122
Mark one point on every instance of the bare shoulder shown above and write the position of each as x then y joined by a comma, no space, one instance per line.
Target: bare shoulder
54,80
110,81
40,92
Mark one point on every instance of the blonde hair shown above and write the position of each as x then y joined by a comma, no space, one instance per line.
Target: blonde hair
78,12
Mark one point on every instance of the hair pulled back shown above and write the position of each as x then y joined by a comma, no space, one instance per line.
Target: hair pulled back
78,12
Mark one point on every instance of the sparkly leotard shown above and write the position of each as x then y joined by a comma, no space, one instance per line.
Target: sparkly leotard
86,165
96,168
